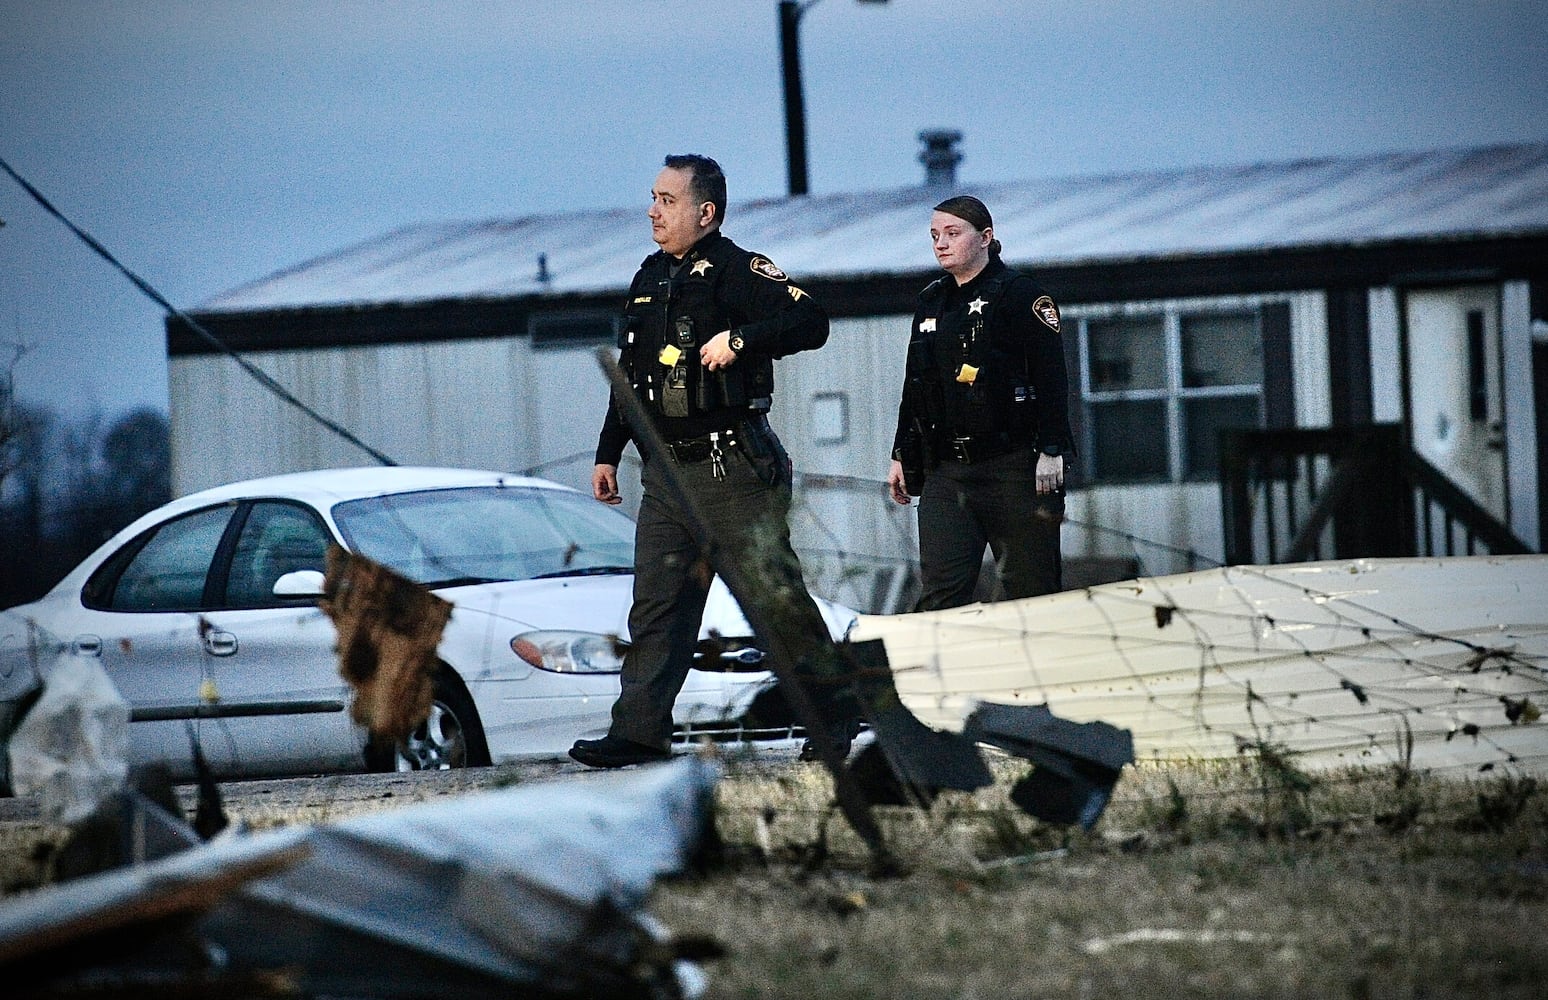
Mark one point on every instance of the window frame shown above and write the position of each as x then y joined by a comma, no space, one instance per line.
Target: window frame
100,591
219,595
1175,395
840,399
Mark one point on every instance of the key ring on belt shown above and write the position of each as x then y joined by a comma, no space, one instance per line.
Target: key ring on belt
717,457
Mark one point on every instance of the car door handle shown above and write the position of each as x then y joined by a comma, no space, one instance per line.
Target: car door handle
86,645
219,643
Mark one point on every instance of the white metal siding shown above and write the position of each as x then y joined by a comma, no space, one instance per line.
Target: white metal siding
1521,446
856,544
1147,522
491,403
1309,356
1386,357
863,359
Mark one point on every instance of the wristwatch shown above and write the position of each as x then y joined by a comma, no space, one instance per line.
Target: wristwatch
736,343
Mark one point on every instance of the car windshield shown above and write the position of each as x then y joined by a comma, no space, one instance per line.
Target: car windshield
484,534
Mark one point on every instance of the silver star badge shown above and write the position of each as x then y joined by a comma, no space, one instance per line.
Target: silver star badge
976,306
700,266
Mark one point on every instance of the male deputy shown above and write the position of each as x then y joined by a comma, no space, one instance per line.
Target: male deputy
705,320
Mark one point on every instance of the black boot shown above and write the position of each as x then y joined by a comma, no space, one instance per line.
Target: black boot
841,738
615,751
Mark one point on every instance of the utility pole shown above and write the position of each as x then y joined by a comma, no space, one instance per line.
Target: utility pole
790,12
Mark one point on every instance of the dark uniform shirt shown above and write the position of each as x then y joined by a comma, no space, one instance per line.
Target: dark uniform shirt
716,286
1015,388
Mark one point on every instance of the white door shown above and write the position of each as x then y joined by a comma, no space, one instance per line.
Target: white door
1454,382
271,668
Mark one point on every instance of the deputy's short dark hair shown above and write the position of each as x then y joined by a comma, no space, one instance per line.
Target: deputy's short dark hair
969,209
709,181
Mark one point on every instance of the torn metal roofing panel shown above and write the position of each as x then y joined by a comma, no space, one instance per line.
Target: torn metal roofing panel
1440,663
538,888
1445,194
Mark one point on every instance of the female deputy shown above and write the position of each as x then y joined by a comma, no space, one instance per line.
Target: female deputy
984,418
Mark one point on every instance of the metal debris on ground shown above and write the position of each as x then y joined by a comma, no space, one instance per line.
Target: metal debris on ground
535,891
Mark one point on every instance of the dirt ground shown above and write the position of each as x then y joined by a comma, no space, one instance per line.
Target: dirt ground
26,839
1214,880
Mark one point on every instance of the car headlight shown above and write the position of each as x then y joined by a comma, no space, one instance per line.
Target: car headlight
571,652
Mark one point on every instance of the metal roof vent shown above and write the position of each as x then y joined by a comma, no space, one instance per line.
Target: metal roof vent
940,156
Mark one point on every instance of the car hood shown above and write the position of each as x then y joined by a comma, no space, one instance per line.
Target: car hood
601,604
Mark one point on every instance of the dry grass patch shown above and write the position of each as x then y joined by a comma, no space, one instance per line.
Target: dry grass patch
1221,879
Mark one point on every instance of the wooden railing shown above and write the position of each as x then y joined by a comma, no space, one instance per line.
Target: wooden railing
1337,493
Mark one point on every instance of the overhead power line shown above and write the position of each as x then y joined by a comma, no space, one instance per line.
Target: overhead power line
262,377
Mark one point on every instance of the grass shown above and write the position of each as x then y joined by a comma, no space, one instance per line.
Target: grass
1220,879
1224,879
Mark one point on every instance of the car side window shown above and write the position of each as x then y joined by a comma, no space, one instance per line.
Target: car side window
278,538
169,569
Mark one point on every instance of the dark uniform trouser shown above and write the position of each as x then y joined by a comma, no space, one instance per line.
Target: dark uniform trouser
993,502
749,517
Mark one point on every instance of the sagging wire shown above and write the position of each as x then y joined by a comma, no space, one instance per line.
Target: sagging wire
854,484
1193,557
258,374
1136,544
1210,649
541,468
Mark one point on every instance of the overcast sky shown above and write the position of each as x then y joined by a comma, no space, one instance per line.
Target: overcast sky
208,144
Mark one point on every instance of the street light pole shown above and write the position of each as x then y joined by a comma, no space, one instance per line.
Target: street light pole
790,12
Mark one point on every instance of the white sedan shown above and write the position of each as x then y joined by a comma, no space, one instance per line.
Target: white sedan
204,614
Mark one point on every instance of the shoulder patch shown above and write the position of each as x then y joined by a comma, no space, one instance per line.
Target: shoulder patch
765,267
1046,311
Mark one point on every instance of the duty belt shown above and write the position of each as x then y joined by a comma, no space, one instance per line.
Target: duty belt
711,446
968,449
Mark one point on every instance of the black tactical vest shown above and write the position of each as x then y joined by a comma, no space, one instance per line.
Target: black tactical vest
667,319
963,382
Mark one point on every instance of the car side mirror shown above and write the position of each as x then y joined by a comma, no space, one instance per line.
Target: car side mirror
300,583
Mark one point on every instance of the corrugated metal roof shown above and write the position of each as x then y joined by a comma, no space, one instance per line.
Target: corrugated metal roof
1445,194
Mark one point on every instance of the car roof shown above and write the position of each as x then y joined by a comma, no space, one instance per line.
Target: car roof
325,487
320,488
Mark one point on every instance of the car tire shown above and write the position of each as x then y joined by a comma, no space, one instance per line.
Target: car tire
451,737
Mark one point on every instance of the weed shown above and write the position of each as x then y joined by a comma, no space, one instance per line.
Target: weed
1414,885
1284,788
1499,804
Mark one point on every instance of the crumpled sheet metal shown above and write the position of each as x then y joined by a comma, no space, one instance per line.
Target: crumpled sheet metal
1078,763
909,763
1341,662
26,649
71,750
539,886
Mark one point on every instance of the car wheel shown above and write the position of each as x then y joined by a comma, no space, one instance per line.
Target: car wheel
452,736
